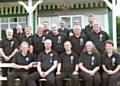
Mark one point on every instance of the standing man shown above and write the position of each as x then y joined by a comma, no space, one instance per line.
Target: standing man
28,37
38,40
47,63
99,37
57,39
89,27
8,48
78,40
63,29
19,34
21,63
67,66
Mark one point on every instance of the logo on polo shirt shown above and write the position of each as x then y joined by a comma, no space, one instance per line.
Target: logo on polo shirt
113,61
51,56
59,39
101,37
71,59
92,60
27,59
12,43
81,41
43,39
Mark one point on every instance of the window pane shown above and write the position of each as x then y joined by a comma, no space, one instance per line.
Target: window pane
4,26
12,26
13,19
22,19
67,20
4,20
77,20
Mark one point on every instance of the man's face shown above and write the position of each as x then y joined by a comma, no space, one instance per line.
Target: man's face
9,34
25,48
77,30
67,46
91,20
48,45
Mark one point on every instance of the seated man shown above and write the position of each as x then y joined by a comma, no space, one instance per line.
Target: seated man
21,63
67,66
47,63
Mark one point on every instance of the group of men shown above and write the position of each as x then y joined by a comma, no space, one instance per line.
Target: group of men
55,50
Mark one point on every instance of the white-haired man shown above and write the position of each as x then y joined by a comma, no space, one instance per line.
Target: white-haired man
8,48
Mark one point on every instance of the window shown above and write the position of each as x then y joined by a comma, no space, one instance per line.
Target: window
68,19
11,22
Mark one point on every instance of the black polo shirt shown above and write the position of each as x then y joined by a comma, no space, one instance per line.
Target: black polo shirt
19,37
22,60
90,61
58,41
78,43
111,62
47,59
88,30
8,46
27,39
64,31
38,43
99,40
68,62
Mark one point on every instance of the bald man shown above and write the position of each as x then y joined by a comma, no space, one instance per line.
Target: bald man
47,63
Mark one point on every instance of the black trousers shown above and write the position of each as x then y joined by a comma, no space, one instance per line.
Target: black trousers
110,80
35,76
91,80
74,79
5,71
13,75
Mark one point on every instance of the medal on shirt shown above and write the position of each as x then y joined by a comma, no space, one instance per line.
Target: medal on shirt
81,41
101,37
92,60
27,59
43,39
51,55
12,42
59,39
113,61
71,59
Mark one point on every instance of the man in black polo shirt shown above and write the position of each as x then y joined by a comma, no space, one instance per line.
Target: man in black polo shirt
57,39
21,63
89,27
63,29
38,40
98,37
67,66
110,65
28,37
47,63
8,48
19,34
78,40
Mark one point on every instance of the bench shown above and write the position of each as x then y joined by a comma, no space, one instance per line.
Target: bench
7,65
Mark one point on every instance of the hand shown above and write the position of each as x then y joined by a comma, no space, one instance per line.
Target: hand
42,74
75,73
110,72
58,73
30,65
6,58
26,67
46,73
91,73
